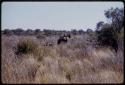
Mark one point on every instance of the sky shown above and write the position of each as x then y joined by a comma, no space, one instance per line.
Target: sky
54,15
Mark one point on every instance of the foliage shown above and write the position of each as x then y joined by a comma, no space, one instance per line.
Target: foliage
29,32
74,31
109,34
99,25
18,31
89,30
7,32
81,31
26,46
116,16
37,31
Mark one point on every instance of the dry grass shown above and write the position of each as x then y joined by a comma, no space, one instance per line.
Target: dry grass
73,62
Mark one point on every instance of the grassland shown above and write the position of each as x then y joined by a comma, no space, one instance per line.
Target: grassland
76,61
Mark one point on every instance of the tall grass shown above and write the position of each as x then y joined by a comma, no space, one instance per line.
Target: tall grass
73,62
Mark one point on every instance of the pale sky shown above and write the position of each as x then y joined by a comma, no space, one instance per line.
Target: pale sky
54,15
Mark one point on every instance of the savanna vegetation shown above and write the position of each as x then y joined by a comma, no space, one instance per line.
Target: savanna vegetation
76,56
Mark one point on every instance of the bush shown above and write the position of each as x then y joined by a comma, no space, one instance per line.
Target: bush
30,47
18,31
7,32
40,36
89,31
29,32
108,37
37,31
26,46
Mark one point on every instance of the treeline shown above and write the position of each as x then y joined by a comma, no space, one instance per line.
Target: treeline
20,31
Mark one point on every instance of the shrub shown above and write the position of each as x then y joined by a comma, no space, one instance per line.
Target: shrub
7,32
39,36
89,31
37,31
29,32
31,47
108,37
74,32
18,31
26,46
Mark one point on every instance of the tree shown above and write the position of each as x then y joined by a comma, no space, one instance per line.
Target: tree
18,31
89,30
29,32
116,16
109,34
81,31
7,32
47,31
37,31
106,37
99,25
74,32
